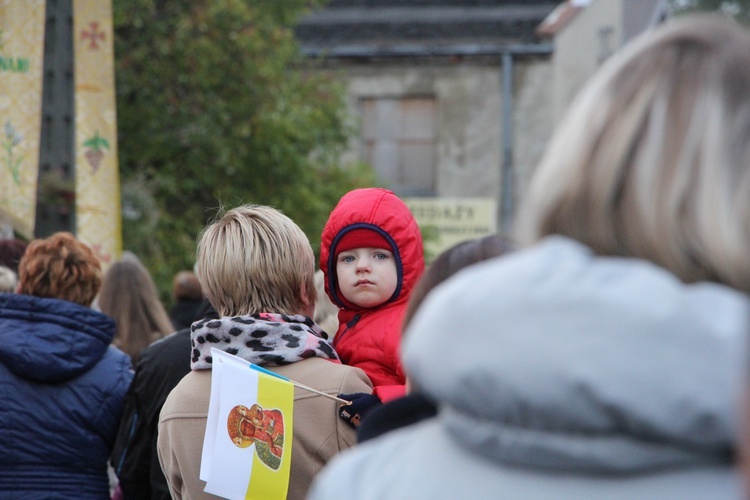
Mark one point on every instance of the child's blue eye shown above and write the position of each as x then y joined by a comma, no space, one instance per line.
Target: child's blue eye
381,256
347,258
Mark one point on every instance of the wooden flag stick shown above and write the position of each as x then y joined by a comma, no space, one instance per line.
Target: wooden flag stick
297,384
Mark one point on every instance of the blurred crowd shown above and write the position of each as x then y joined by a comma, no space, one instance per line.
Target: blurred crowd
599,350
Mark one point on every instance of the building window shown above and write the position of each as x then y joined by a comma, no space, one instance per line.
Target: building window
398,140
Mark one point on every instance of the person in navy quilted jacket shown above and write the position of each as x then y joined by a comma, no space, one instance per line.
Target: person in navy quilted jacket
61,383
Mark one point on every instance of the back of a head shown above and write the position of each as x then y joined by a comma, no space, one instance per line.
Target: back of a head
11,252
60,267
129,296
452,260
652,160
185,286
254,259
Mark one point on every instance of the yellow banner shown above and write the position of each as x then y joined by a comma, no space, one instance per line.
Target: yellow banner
98,220
21,64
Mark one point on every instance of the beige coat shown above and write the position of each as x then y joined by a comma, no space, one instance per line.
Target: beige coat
319,433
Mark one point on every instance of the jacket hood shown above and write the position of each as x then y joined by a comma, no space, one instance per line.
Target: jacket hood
51,340
379,210
573,361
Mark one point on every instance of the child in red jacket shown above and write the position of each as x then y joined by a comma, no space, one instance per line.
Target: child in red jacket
372,257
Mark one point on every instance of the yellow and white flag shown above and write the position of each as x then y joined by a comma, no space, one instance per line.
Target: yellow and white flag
247,448
21,64
98,220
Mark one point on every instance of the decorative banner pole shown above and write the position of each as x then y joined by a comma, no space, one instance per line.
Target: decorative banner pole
98,221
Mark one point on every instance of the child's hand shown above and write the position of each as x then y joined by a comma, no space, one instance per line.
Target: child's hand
361,403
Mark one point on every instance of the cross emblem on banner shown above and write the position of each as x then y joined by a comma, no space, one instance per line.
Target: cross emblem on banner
94,35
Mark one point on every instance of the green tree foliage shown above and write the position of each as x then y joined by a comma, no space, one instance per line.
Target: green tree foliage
738,9
215,109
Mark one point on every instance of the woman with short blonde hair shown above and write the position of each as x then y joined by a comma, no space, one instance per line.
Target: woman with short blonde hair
256,268
255,259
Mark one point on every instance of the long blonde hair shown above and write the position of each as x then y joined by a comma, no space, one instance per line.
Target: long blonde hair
128,295
653,158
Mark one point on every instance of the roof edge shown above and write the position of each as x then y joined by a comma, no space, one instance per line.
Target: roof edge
560,17
412,50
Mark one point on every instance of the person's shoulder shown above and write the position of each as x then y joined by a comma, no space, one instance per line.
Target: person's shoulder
323,374
163,354
114,354
177,340
190,396
114,360
113,371
194,381
354,469
321,365
306,366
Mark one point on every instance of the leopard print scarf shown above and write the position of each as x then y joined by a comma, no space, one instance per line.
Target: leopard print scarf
264,339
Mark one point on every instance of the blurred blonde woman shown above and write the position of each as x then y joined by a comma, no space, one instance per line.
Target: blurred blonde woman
128,295
604,358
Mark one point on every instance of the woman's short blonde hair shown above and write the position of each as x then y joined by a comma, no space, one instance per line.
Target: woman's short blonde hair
254,259
60,267
653,158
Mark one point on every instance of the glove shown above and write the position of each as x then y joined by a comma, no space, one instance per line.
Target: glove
361,403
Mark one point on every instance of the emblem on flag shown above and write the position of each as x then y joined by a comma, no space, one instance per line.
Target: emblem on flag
263,428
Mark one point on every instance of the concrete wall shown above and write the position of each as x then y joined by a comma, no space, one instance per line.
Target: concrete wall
532,120
580,48
469,117
468,98
597,32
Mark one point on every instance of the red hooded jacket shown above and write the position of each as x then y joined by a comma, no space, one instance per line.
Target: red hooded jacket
369,338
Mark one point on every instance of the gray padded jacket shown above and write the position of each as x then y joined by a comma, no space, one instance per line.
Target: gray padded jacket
561,374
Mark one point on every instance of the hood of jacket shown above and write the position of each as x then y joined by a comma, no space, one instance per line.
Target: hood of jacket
555,358
51,340
383,212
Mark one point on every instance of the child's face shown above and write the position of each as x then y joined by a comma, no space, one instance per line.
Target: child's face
367,276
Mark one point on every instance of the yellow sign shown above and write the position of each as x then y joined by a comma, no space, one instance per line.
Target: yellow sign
98,220
448,221
21,64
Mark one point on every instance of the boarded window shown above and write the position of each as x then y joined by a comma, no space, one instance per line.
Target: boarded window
398,140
